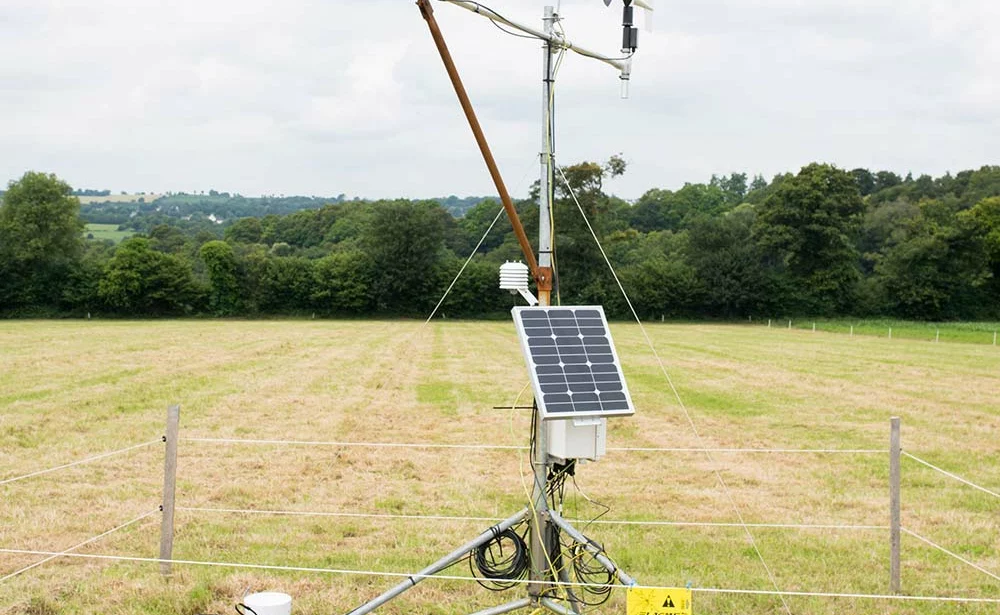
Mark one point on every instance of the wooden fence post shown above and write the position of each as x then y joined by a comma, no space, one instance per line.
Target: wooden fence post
894,506
169,489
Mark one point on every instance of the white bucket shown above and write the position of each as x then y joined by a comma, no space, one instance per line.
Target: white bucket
269,603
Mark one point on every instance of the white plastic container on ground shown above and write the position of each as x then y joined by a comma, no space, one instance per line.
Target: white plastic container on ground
269,603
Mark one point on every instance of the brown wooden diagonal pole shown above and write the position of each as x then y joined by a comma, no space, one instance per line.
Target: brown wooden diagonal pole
542,277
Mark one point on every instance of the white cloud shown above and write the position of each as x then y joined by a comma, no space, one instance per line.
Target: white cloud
323,97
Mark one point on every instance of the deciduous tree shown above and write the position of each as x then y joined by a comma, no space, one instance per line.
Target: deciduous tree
41,240
808,229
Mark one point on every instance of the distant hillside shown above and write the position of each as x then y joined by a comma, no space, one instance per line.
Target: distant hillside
142,211
457,206
215,206
117,198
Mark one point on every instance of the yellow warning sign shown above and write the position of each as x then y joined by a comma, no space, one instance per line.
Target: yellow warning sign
648,601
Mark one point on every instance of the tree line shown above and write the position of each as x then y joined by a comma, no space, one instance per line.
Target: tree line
820,242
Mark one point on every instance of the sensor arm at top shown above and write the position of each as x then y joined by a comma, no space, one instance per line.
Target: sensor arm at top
624,65
542,276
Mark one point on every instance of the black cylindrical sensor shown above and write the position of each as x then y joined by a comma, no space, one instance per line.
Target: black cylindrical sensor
628,16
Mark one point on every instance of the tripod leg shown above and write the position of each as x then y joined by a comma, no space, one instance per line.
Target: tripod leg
564,577
555,607
441,564
506,608
589,546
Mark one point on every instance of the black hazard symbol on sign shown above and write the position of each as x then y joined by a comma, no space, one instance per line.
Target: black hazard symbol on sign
668,603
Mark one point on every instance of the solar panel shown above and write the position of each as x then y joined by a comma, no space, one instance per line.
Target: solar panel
574,368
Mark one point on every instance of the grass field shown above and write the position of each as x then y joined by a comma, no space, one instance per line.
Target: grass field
119,198
69,390
107,231
966,332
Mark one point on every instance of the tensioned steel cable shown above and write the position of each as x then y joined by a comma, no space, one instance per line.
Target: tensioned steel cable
680,402
474,252
464,265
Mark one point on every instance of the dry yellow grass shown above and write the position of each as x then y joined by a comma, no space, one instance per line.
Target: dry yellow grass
72,389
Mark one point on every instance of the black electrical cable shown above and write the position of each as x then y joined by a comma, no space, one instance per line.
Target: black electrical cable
595,577
506,31
483,7
496,569
605,507
557,482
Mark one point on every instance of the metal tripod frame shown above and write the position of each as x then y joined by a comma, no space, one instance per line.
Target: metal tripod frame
543,522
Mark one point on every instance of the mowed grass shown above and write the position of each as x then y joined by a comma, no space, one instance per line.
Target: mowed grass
107,231
69,390
967,332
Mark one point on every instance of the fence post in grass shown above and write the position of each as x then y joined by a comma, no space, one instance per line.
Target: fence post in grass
994,338
789,325
814,327
169,489
768,323
890,332
852,330
894,506
937,336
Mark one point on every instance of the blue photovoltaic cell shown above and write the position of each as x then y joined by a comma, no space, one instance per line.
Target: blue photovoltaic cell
574,368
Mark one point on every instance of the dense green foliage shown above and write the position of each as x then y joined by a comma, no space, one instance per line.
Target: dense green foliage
41,241
824,241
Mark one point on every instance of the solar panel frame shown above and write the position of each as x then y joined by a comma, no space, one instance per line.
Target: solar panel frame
574,367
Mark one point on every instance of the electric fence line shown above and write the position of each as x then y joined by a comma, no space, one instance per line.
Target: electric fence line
375,573
947,552
80,462
56,555
950,475
463,518
610,449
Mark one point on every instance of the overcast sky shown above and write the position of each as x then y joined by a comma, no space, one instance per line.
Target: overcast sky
323,97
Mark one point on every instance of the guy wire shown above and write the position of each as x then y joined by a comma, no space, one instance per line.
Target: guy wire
677,396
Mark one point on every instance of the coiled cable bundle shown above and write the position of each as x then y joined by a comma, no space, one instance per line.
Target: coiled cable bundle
596,579
500,562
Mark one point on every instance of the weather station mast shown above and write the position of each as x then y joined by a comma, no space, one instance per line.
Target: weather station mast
574,369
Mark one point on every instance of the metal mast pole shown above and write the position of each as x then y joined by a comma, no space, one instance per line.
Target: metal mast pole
541,531
545,185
